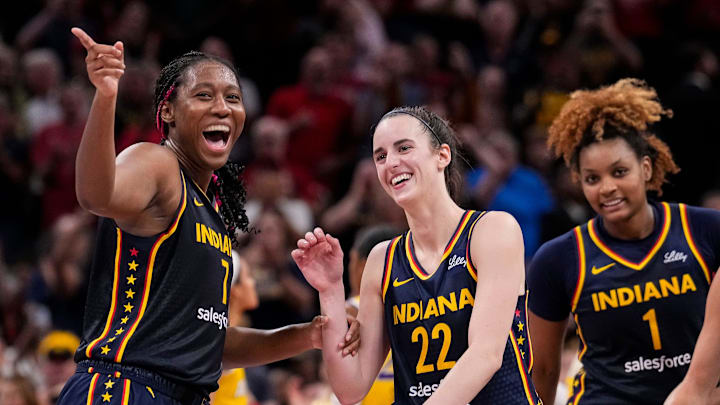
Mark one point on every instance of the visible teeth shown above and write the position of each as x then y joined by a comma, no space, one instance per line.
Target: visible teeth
612,203
219,128
400,178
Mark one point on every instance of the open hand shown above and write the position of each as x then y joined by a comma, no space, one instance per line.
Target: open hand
320,259
105,63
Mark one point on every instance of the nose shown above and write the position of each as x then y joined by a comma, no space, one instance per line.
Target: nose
220,107
607,186
392,159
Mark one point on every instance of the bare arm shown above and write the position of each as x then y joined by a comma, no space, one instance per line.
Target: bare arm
125,188
547,338
498,253
699,384
320,259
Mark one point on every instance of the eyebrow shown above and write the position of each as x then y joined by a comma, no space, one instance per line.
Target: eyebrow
615,163
396,143
209,84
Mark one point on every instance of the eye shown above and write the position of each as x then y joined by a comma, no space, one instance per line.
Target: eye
404,148
620,171
591,179
203,95
234,97
380,156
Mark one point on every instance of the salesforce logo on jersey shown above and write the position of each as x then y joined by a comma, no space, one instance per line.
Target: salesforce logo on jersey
658,363
212,316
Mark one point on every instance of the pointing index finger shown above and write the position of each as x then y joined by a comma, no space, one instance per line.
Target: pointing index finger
84,38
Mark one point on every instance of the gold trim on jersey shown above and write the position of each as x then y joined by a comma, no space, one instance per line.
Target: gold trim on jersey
126,392
580,393
416,267
91,390
113,297
532,357
581,268
691,241
388,266
468,265
581,352
627,263
148,276
521,369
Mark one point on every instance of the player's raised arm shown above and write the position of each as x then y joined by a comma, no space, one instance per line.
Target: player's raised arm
319,257
103,186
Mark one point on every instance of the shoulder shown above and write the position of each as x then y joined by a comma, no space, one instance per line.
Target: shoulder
495,224
557,256
148,152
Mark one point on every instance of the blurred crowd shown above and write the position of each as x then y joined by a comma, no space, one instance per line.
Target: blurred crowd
317,74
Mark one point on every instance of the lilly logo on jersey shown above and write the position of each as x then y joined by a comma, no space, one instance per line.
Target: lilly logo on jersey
210,315
456,261
674,256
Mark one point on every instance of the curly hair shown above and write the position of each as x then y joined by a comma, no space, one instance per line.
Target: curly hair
622,110
226,184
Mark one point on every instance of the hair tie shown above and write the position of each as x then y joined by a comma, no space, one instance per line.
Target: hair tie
159,124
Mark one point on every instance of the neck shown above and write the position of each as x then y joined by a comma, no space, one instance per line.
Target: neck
640,225
200,176
433,221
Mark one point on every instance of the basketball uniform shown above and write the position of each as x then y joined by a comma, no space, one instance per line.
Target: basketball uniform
638,305
427,316
156,311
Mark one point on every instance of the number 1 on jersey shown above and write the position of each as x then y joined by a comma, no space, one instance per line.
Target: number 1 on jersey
651,318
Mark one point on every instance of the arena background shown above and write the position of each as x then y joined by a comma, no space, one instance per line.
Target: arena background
316,76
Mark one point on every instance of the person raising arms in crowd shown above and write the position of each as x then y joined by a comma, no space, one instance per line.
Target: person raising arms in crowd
156,318
634,278
448,296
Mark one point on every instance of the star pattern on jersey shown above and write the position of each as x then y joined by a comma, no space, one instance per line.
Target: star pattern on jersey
109,384
133,252
129,293
119,331
522,353
128,307
517,313
105,349
106,397
124,320
520,326
131,279
112,339
521,340
133,265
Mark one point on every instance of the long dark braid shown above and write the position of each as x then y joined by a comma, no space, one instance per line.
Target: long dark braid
226,184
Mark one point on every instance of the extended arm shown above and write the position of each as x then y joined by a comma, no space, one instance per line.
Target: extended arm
320,259
498,254
699,385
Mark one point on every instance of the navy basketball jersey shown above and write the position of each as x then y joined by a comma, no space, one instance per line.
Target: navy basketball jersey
637,318
428,315
160,302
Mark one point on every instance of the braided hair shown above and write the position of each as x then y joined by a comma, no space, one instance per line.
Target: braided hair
622,110
226,185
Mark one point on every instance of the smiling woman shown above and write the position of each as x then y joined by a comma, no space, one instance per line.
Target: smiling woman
641,265
448,296
156,319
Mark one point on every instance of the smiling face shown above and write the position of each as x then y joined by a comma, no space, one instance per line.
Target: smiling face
207,115
614,179
406,162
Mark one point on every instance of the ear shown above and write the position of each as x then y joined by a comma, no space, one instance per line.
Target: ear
167,113
646,167
444,156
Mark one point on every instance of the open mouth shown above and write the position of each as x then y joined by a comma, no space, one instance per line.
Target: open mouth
612,203
399,179
217,136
